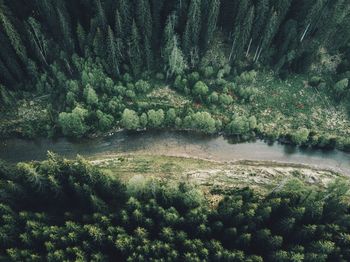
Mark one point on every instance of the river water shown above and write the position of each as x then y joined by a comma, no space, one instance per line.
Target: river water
174,143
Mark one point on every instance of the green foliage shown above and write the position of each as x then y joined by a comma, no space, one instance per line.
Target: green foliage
105,121
301,136
239,126
202,121
200,89
130,120
68,210
341,87
73,124
155,118
90,95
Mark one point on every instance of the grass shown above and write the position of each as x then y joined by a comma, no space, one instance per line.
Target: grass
212,177
285,106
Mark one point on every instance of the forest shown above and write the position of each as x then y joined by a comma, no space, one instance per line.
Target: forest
87,67
67,210
215,70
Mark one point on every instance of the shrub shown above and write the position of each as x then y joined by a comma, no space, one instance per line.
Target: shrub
142,86
155,118
130,120
341,87
301,136
73,124
200,89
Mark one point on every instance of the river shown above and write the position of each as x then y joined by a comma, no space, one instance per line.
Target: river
174,143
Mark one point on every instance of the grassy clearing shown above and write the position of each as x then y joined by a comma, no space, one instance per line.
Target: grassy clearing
28,119
212,177
284,106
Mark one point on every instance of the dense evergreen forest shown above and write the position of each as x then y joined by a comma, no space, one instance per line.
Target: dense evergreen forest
60,210
88,66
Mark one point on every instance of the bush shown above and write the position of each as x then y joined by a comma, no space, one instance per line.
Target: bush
315,81
247,77
155,118
142,86
200,89
208,71
130,120
301,136
341,87
225,99
73,124
238,126
105,121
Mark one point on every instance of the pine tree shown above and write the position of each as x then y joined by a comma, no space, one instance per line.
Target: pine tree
65,30
99,44
156,10
193,27
11,33
176,61
134,51
101,15
81,36
242,28
259,24
8,55
270,32
38,40
214,8
118,29
125,18
48,13
144,22
112,53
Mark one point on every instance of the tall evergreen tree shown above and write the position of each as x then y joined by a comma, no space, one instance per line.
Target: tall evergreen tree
134,50
112,53
38,40
81,36
144,22
174,60
193,27
12,33
101,15
214,8
125,18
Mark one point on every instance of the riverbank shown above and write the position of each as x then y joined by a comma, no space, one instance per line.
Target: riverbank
183,144
291,111
215,178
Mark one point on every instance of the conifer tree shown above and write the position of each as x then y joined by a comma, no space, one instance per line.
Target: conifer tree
214,8
112,53
193,27
119,30
81,35
241,28
125,18
101,15
270,31
11,33
134,50
144,22
99,44
260,20
38,40
65,30
8,56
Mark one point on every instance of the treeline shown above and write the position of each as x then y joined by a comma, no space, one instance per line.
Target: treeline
60,210
89,63
133,36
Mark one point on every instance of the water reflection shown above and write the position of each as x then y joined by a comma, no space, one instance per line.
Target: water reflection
175,144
